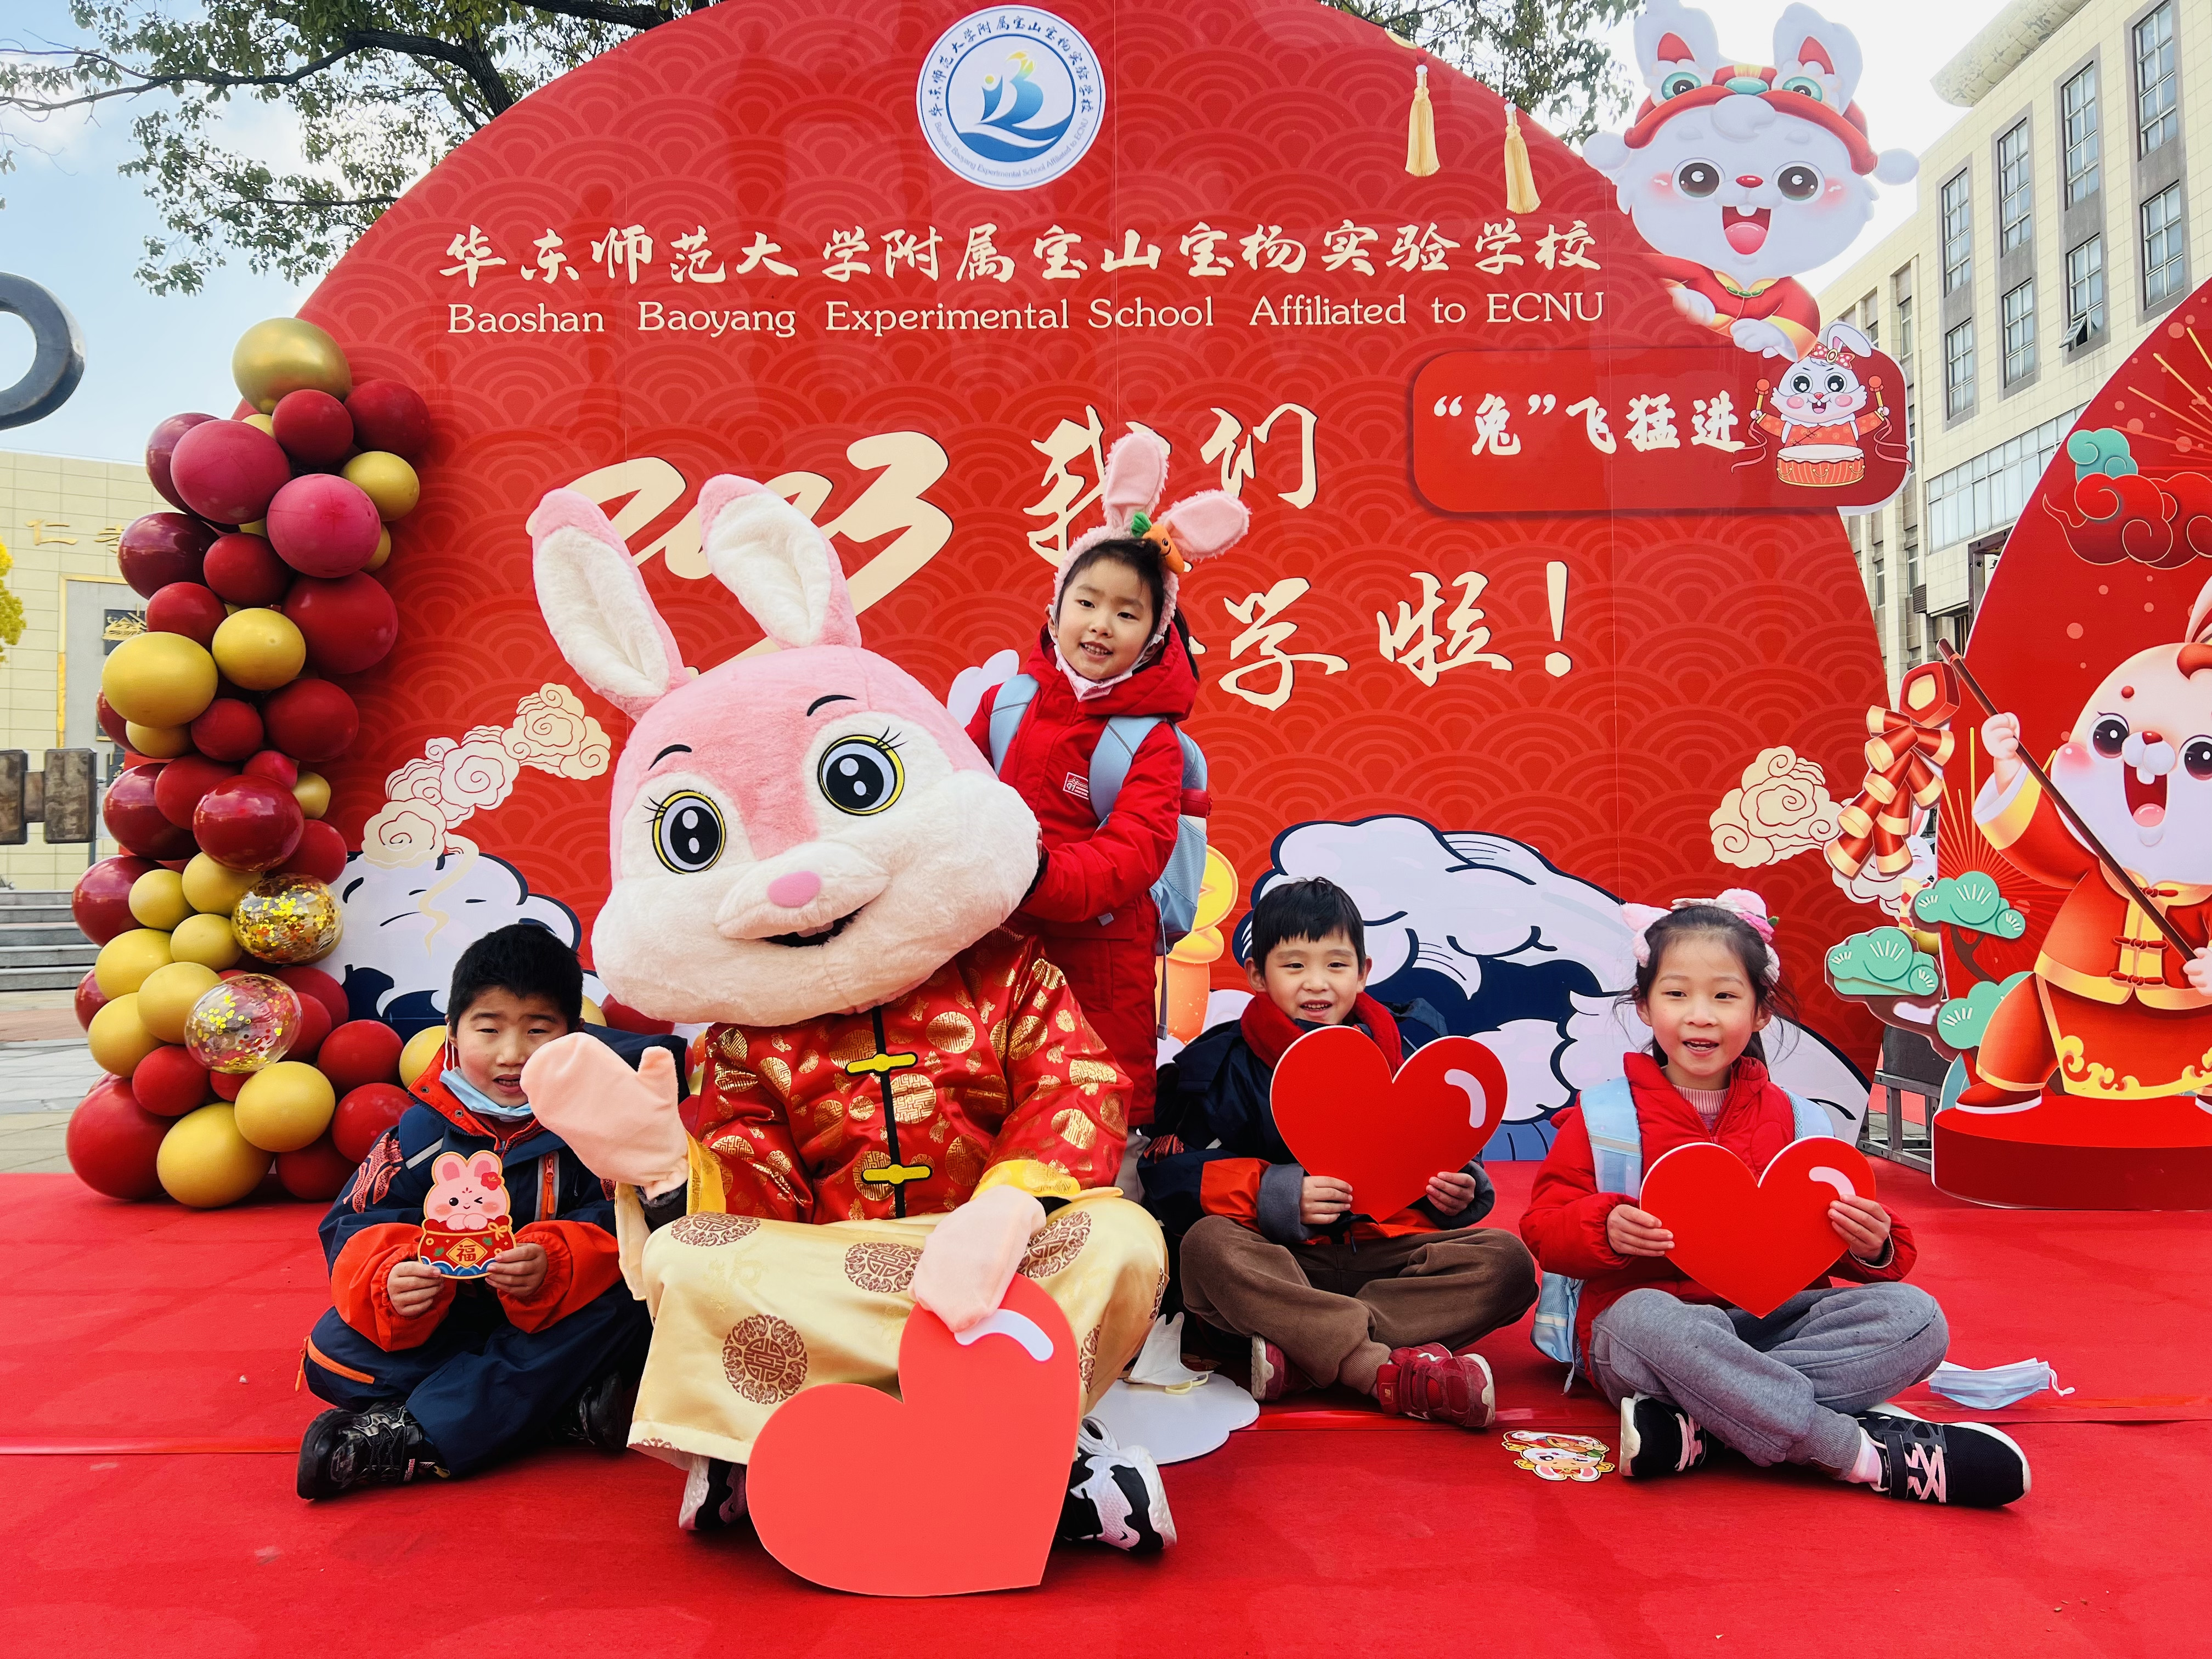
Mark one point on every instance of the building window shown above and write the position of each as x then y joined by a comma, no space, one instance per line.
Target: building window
2163,252
1900,300
2015,190
2077,103
1958,232
1909,533
1987,492
2084,291
2019,332
1870,319
2156,119
1958,370
1878,563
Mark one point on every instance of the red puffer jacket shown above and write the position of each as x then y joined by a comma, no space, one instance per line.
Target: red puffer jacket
1093,870
1565,1223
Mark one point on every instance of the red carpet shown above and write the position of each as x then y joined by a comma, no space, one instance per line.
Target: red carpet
133,1325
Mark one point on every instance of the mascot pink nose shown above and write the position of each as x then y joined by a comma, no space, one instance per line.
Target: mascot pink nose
794,892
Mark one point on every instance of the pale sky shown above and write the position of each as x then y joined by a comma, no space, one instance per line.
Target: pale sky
72,224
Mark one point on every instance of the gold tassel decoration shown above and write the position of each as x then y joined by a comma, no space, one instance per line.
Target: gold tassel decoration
1520,181
1421,128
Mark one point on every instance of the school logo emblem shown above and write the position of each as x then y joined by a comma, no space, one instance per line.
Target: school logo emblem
1011,97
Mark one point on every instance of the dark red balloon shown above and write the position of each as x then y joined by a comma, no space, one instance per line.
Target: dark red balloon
187,608
162,548
177,791
313,983
228,470
161,446
227,1085
311,720
324,525
246,570
169,1082
365,1113
318,1172
278,768
137,821
230,730
315,1024
349,624
112,1142
90,999
321,852
390,414
359,1052
248,824
110,722
313,426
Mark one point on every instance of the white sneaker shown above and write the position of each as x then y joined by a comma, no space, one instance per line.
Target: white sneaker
1115,1496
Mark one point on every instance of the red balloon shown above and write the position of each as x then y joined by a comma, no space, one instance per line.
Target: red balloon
112,1142
228,470
162,548
169,1082
227,1085
390,414
349,624
624,1017
246,570
135,820
187,608
101,900
321,852
177,791
322,525
110,722
311,720
230,730
313,426
90,999
359,1052
248,824
314,983
365,1113
315,1024
318,1172
279,768
161,446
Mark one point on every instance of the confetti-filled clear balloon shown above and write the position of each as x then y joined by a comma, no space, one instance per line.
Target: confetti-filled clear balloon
287,919
243,1024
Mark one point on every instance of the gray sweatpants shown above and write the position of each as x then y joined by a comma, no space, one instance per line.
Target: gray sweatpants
1778,1389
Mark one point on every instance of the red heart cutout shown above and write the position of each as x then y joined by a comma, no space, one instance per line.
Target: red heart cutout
1757,1243
1342,1114
985,1427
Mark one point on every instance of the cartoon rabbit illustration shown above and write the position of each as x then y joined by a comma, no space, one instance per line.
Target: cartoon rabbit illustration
466,1196
1819,411
1743,176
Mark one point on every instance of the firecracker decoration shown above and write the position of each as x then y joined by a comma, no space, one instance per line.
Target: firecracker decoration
1906,752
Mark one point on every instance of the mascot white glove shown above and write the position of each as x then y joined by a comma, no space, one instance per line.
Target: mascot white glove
622,1123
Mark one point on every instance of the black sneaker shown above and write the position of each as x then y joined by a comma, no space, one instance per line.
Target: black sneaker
1658,1437
1967,1463
599,1417
1115,1497
713,1496
383,1446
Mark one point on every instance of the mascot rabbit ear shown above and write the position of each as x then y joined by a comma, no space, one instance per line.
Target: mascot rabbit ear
782,569
1136,472
596,607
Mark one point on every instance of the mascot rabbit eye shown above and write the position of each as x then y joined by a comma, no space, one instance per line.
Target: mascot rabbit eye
1680,81
687,832
861,776
2110,735
1798,182
1697,179
2196,756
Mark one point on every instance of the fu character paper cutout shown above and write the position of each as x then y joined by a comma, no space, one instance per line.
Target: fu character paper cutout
985,1423
1342,1114
466,1215
1757,1243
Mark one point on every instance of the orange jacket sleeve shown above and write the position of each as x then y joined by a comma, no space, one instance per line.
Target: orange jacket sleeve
582,1261
359,1292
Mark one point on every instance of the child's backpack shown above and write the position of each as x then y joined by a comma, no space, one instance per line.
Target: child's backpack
1617,1153
1176,893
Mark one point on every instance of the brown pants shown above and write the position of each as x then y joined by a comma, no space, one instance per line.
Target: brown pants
1336,1312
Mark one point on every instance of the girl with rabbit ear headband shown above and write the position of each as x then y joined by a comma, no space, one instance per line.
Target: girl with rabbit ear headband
1739,902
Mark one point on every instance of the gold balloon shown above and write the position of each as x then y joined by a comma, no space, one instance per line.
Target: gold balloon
286,354
312,791
157,900
205,1164
388,481
257,648
206,939
420,1053
214,888
157,742
161,679
243,1024
383,549
287,919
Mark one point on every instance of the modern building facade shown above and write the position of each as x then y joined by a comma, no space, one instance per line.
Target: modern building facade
2057,226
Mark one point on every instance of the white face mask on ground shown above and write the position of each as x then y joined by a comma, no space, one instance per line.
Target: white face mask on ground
1999,1385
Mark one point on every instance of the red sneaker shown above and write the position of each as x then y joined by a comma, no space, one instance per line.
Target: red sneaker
1272,1373
1431,1382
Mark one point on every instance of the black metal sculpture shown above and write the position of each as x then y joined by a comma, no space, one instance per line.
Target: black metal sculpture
58,364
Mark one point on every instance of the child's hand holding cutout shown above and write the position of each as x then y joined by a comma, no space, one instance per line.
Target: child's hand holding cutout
1451,1191
1864,1226
518,1272
1323,1199
413,1286
1631,1231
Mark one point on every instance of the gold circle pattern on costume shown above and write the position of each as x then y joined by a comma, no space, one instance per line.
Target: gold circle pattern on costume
1089,1357
885,1269
913,1097
1057,1243
765,1359
952,1032
710,1228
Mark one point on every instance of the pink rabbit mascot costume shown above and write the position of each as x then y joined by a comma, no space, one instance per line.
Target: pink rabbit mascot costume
810,857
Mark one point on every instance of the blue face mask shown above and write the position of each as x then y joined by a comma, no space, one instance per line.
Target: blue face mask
1999,1385
478,1101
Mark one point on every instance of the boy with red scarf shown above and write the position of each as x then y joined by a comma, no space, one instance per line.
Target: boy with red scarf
1385,1306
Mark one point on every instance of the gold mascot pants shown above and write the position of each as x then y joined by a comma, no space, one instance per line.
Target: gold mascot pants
747,1312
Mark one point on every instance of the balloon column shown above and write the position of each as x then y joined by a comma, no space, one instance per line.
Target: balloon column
227,1052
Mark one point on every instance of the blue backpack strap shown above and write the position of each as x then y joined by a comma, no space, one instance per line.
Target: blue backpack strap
1009,703
1110,762
1615,1138
1812,1117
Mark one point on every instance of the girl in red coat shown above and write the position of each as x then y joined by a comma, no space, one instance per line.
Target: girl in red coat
1806,1383
1111,649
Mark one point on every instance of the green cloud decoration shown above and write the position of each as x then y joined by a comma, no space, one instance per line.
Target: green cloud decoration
1971,901
2102,452
1881,963
1961,1021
